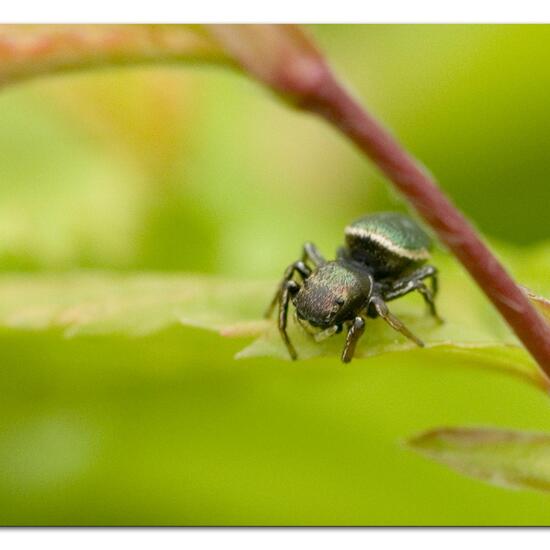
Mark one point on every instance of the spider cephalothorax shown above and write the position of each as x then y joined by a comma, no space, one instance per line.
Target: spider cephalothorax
383,259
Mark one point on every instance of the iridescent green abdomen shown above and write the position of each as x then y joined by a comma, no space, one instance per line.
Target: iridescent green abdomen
388,242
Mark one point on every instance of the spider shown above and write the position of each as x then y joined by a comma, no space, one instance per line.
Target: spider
383,259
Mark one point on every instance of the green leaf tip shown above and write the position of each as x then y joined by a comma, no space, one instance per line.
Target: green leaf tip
507,458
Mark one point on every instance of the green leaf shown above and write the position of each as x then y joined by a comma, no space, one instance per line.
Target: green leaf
472,327
103,303
516,459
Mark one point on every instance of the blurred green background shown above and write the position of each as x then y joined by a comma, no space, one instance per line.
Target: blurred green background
200,170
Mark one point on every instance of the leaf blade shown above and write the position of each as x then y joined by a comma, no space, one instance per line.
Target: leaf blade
506,458
101,303
88,303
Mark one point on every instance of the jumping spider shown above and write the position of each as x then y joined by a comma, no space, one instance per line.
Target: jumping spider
383,259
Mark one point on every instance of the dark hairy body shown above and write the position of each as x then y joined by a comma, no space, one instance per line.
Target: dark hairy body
382,260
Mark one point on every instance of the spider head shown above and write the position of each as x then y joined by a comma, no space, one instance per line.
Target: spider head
331,295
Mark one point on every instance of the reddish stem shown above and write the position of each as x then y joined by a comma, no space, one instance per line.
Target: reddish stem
329,99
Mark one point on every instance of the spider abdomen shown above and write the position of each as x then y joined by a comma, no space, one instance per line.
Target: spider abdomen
389,243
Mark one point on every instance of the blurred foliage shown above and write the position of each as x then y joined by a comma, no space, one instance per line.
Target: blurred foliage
161,430
198,170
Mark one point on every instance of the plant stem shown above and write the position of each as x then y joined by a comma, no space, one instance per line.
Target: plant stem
27,51
330,100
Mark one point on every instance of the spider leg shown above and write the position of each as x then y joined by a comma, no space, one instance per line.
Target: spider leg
425,272
397,289
405,286
327,333
311,252
289,289
355,332
435,282
297,267
428,296
382,309
412,282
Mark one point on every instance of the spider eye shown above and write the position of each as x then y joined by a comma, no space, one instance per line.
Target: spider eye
337,305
